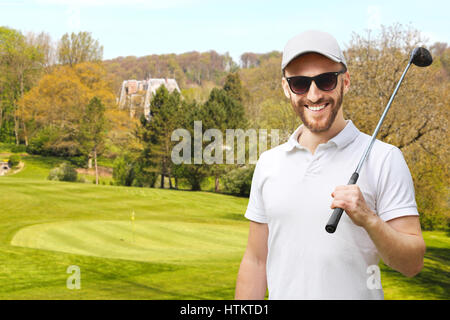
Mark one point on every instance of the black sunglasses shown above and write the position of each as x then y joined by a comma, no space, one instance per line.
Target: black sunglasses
325,82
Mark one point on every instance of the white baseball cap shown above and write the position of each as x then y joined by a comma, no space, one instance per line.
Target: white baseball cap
312,41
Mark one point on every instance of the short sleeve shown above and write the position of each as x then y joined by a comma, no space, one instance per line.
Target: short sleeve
255,208
395,189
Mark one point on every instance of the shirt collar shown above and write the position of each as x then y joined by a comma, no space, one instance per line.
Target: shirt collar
342,139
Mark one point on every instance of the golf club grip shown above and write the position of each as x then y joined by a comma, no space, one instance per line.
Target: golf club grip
337,212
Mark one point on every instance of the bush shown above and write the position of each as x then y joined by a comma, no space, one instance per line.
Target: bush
128,172
18,148
6,147
64,172
144,178
52,141
433,221
79,161
14,160
42,142
123,172
193,174
239,181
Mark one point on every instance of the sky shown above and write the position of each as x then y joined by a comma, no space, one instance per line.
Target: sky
139,27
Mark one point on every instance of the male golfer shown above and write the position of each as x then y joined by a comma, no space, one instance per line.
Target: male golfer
296,185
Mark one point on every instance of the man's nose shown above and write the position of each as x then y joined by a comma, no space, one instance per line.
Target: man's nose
314,93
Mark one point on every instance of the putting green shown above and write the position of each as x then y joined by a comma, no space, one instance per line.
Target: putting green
150,241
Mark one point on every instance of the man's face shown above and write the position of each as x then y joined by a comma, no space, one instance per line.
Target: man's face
310,65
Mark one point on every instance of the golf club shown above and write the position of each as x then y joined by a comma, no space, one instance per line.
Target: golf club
421,57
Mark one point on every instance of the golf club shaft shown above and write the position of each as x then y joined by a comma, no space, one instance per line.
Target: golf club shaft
337,212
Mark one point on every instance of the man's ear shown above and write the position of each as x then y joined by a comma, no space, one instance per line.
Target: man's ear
346,79
286,89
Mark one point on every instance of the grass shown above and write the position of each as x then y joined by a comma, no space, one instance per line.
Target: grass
183,245
182,239
433,282
5,147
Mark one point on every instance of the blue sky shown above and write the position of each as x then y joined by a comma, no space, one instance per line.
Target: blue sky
139,27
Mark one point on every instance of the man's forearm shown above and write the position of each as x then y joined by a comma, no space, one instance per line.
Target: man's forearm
402,252
251,282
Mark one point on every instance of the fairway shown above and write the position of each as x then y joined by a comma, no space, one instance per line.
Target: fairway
181,244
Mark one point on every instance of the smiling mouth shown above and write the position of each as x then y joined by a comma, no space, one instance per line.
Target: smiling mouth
317,108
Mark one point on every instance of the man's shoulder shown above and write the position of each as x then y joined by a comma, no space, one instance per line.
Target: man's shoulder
379,147
382,156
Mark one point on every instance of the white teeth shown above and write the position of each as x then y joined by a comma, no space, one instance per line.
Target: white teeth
316,108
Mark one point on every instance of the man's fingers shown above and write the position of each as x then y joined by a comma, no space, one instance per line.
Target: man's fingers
339,194
339,204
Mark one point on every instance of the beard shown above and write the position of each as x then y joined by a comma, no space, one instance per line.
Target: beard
313,125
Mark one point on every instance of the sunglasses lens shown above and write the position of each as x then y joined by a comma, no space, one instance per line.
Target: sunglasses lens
300,85
326,81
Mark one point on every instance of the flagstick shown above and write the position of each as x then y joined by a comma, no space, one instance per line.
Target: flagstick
132,226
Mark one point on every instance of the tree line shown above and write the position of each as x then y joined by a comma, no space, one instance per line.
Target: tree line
49,94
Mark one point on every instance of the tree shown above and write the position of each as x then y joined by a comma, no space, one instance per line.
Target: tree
156,132
43,42
77,48
194,173
93,131
224,110
249,60
124,170
262,83
233,86
54,109
20,66
417,122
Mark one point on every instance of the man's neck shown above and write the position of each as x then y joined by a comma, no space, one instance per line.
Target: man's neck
311,140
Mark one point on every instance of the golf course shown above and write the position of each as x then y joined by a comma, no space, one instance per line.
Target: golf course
143,243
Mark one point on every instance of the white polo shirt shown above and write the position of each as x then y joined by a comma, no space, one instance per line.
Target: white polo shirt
291,192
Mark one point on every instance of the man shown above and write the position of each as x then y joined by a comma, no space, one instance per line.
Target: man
296,185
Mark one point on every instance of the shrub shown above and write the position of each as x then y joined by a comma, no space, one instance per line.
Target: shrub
144,178
18,148
53,141
64,172
123,172
79,161
193,174
239,181
14,160
41,143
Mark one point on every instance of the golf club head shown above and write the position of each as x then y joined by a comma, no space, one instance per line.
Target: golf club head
421,57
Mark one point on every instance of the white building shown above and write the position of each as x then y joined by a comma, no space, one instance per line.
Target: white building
137,94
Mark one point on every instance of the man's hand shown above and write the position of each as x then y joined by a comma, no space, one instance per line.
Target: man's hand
350,198
399,241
